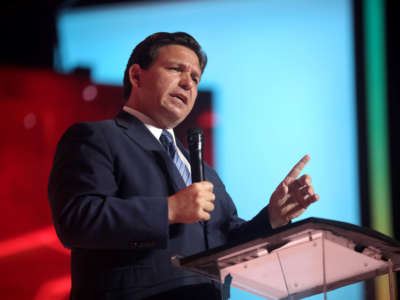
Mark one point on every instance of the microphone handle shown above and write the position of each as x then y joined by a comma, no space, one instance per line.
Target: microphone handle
196,163
196,143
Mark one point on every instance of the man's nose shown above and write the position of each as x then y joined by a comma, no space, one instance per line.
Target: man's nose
186,81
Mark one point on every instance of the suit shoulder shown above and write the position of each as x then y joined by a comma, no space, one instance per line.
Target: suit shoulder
83,136
87,129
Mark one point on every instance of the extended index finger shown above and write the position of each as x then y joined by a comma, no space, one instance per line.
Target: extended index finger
295,172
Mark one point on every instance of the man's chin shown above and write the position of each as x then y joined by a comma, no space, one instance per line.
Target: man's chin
173,119
166,123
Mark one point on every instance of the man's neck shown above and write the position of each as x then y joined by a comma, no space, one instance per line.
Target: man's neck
141,116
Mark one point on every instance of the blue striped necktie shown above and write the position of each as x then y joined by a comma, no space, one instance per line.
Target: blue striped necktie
168,143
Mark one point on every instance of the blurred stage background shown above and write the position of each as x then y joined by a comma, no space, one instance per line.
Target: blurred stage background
285,78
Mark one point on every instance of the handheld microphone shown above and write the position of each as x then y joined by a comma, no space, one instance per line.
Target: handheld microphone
195,139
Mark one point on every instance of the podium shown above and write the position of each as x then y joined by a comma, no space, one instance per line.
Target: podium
301,259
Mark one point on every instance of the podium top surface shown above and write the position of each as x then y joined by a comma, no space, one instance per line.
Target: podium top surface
301,259
363,237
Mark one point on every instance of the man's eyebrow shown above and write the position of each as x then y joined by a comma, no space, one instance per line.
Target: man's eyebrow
182,64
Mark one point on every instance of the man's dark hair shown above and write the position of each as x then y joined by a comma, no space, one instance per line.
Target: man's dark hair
145,53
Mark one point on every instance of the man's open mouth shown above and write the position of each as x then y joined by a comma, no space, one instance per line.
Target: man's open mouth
181,97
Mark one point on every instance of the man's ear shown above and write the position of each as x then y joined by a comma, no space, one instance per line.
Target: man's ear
134,75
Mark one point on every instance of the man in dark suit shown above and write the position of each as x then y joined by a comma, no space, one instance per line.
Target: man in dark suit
121,195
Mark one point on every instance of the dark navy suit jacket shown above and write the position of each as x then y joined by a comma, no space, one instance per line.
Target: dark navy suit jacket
108,193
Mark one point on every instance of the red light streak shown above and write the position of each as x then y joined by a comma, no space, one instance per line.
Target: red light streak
44,237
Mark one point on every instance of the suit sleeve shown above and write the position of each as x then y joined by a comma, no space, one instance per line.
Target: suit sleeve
257,226
84,198
233,226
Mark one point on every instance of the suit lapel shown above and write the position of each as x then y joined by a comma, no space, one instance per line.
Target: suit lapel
140,135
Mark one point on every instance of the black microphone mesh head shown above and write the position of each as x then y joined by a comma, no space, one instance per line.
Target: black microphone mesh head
194,130
195,137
